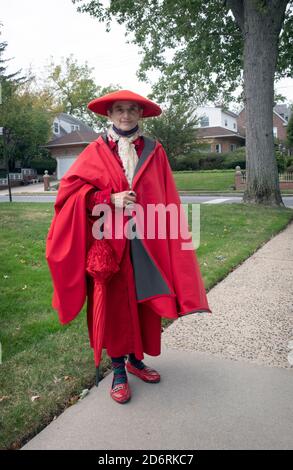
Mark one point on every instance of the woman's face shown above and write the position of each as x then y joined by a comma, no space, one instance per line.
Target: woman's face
125,114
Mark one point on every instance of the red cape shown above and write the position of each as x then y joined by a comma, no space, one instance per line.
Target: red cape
167,278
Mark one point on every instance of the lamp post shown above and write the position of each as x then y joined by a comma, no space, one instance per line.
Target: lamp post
5,133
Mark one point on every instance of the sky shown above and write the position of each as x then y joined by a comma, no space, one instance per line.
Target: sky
38,29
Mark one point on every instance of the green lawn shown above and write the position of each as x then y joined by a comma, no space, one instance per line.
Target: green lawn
208,180
214,180
42,358
204,181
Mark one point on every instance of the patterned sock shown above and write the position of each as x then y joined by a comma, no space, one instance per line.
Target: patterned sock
118,366
135,362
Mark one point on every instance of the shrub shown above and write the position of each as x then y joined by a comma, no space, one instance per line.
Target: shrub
237,157
232,164
185,163
289,163
211,161
42,165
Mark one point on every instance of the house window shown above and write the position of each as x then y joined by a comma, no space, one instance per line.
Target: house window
74,127
232,147
234,125
275,132
218,148
204,121
56,128
226,122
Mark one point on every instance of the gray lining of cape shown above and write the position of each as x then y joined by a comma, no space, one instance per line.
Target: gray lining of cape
148,279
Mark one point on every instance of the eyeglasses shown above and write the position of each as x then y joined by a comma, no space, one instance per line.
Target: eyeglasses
130,110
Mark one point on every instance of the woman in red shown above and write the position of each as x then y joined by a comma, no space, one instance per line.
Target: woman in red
130,281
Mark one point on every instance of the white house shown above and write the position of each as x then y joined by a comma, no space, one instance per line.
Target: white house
218,129
217,117
69,137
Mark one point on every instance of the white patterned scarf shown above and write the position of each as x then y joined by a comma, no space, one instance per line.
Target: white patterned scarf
126,150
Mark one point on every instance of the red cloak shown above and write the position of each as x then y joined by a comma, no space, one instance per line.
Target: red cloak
156,277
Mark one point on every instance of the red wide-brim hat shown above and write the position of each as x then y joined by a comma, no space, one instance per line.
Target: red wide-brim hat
100,105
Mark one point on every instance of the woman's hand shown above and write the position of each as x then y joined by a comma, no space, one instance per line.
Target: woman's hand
123,199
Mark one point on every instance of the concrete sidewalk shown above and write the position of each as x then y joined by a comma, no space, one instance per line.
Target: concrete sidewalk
26,189
226,380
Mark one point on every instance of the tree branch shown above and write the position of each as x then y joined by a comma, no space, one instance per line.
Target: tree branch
236,6
279,4
278,13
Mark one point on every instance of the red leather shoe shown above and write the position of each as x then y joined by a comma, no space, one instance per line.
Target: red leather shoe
120,392
147,374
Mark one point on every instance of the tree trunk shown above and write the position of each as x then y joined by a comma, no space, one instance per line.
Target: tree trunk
260,23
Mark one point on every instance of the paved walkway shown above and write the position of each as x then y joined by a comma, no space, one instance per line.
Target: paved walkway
28,188
226,380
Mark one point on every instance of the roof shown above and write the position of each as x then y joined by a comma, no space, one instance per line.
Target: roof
283,110
230,113
208,132
74,138
279,109
223,109
73,120
68,118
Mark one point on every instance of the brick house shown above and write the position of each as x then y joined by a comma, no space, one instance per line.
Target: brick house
281,115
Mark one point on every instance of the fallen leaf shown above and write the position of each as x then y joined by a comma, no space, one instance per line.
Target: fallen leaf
73,400
4,397
220,257
84,393
35,397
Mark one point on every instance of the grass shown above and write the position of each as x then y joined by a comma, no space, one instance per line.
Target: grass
42,358
214,180
199,181
209,180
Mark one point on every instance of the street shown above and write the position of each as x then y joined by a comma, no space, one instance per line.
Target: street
288,200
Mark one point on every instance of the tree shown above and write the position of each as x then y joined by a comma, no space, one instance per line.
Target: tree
206,49
8,81
25,121
20,126
72,87
27,126
4,76
290,130
175,129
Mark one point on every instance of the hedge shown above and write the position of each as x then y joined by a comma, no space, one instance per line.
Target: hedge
210,161
42,165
